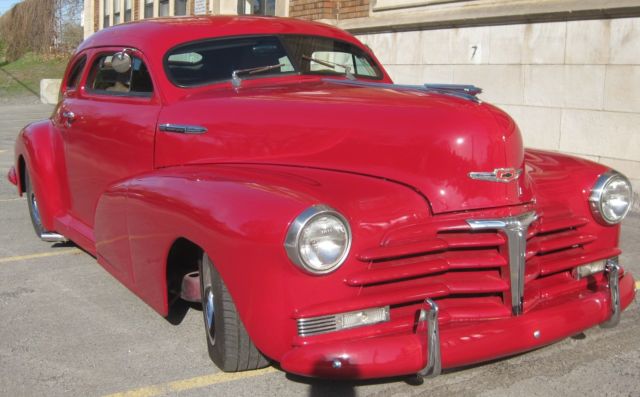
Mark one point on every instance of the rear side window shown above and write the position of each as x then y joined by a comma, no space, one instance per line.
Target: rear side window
103,79
76,73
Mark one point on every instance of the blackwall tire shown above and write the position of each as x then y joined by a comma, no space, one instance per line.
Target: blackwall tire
229,345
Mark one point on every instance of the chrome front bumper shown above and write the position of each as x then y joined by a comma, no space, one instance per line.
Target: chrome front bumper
428,321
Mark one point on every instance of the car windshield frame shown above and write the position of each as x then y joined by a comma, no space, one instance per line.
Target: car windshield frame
282,40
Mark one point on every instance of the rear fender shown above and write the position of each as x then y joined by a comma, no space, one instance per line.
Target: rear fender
39,150
239,216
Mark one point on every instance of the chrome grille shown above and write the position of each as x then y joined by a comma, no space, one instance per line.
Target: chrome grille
447,260
466,271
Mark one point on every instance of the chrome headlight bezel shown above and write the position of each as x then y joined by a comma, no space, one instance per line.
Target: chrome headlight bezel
597,194
292,240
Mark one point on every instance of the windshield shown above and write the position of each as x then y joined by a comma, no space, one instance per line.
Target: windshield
216,60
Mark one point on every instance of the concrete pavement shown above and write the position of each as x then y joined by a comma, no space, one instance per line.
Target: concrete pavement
69,328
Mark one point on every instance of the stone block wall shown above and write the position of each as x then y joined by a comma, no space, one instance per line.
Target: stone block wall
572,86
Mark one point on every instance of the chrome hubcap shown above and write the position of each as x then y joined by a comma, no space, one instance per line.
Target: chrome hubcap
208,303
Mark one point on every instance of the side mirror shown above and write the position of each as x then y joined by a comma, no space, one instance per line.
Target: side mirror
121,62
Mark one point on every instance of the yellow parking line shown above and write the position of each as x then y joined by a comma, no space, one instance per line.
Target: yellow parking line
638,285
193,383
69,251
12,199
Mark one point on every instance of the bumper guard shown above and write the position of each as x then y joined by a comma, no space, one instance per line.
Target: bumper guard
428,324
612,269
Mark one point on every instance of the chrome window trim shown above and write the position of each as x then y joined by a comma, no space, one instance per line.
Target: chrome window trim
295,229
595,197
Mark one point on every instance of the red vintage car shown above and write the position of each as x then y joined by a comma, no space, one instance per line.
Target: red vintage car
326,218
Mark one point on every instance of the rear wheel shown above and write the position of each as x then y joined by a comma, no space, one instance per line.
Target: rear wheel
229,345
32,201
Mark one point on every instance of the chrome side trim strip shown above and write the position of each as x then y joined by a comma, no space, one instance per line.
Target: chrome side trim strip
183,129
428,323
53,237
613,270
515,228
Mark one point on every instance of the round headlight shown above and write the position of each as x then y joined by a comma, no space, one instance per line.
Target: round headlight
611,198
318,240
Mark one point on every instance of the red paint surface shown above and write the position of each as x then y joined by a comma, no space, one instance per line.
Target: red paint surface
12,176
395,163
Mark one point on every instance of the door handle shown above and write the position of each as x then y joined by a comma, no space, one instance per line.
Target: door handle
68,117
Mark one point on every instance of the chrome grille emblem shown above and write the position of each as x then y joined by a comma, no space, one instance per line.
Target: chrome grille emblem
503,175
515,229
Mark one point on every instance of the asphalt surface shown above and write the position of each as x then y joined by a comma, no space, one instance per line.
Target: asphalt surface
69,328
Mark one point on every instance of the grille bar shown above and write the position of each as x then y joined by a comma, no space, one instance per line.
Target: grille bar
410,268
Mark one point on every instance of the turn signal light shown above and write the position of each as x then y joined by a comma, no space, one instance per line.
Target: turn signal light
589,269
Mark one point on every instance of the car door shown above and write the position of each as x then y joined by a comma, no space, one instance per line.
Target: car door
108,132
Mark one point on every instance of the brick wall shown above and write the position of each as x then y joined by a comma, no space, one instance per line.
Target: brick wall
135,12
333,9
96,15
312,9
348,9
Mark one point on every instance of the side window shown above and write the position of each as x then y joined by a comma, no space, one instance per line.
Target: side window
76,72
364,68
103,79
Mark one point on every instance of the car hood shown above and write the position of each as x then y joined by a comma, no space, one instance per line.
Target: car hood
428,141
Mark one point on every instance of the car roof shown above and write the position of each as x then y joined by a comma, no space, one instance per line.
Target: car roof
160,34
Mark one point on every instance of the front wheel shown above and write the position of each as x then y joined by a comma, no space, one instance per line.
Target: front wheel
34,211
229,345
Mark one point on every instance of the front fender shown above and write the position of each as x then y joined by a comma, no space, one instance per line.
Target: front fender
563,183
42,152
239,215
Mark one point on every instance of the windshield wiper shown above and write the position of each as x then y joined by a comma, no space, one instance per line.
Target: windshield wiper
332,65
235,75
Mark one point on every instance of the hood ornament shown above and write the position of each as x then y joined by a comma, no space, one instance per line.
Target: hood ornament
503,175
